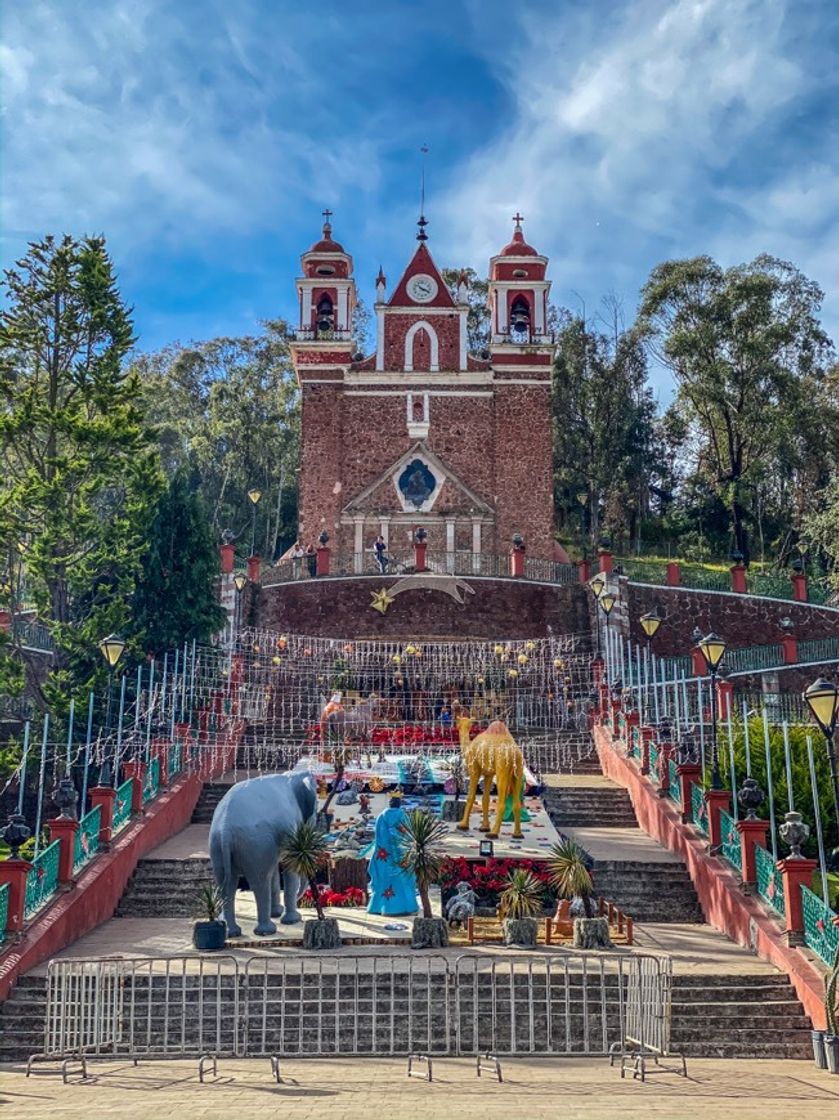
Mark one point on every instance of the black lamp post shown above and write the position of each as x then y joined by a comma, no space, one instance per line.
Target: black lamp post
606,600
823,701
112,649
240,581
597,583
713,648
650,623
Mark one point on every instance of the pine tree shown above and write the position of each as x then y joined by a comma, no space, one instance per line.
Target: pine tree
176,599
80,471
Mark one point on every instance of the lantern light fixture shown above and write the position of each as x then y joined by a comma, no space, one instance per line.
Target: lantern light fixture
112,649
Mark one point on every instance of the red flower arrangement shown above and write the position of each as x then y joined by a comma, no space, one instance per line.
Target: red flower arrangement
351,897
489,877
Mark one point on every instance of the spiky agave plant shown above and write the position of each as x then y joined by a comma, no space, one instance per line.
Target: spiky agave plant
523,895
304,853
209,902
568,872
422,851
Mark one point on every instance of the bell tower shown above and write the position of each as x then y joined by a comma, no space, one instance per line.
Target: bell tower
518,294
322,353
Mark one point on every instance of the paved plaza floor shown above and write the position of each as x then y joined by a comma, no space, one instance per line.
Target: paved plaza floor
346,1089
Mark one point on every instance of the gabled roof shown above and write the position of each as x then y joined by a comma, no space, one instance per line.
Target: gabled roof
420,448
421,262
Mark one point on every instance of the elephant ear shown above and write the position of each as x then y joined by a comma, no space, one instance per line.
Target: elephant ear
305,791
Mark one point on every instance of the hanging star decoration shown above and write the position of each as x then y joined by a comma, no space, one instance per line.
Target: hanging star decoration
381,600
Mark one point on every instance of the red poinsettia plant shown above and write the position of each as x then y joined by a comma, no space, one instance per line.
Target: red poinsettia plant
489,877
351,897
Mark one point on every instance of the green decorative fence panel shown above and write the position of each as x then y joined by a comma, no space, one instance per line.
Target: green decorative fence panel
87,838
820,934
818,649
770,884
4,908
634,742
122,804
152,781
730,841
752,658
175,760
42,880
698,808
705,579
674,785
654,756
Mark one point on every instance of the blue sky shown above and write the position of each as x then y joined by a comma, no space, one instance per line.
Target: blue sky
204,137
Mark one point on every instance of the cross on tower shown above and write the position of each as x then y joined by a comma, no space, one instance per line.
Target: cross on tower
518,219
327,215
327,227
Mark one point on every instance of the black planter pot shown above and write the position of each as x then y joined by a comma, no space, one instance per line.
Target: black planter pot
209,937
831,1049
819,1055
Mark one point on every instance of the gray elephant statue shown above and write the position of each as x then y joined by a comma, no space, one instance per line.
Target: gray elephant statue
249,826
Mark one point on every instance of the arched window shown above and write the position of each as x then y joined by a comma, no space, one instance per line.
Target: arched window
422,348
520,318
325,316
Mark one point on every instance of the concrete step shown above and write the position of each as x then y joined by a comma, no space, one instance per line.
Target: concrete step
165,888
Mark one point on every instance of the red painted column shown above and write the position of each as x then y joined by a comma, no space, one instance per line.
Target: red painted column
698,665
689,772
617,707
137,772
738,579
647,734
64,830
228,556
603,690
606,560
633,719
789,644
799,587
725,694
667,752
104,796
517,562
716,800
674,574
420,549
14,872
751,834
584,570
254,563
322,561
597,667
796,873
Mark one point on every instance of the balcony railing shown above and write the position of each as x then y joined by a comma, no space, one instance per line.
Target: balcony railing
315,334
403,563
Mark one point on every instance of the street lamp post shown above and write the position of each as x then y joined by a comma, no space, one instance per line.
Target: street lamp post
240,582
823,701
650,623
254,496
597,583
112,649
713,648
607,599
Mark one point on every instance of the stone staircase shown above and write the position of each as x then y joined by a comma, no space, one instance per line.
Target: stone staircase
649,892
211,794
582,806
165,888
750,1016
726,1016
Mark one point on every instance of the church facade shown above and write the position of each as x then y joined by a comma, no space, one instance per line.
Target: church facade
421,432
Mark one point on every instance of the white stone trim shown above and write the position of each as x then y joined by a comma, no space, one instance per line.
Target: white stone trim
380,338
440,476
417,429
429,393
397,377
418,309
463,347
411,334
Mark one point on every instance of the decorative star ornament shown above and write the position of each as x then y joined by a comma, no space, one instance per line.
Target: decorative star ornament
381,600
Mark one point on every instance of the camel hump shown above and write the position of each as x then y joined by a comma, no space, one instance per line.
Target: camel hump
498,727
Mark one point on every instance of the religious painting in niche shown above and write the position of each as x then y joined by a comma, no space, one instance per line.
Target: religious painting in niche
416,483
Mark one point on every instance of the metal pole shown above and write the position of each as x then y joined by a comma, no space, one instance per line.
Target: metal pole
192,683
88,737
41,776
137,697
818,815
23,761
716,778
733,782
149,710
788,763
655,691
118,750
770,784
831,758
746,738
700,703
70,721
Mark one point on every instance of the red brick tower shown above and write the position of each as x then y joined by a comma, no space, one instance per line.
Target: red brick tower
421,432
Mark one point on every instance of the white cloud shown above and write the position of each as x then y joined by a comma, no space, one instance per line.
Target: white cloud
627,137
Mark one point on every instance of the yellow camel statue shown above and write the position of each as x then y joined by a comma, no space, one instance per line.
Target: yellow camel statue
494,754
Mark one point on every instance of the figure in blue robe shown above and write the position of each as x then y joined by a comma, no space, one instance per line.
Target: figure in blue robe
393,890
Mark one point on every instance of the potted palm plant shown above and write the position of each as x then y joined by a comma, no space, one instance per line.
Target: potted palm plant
304,853
572,879
422,856
827,1048
519,903
210,933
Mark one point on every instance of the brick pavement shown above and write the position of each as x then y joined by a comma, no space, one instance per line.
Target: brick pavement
542,1089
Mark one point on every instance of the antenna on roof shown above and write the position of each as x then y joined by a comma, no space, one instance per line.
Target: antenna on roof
422,223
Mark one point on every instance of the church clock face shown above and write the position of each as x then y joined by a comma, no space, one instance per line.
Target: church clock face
422,288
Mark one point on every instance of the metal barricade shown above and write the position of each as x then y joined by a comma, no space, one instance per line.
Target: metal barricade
566,1003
